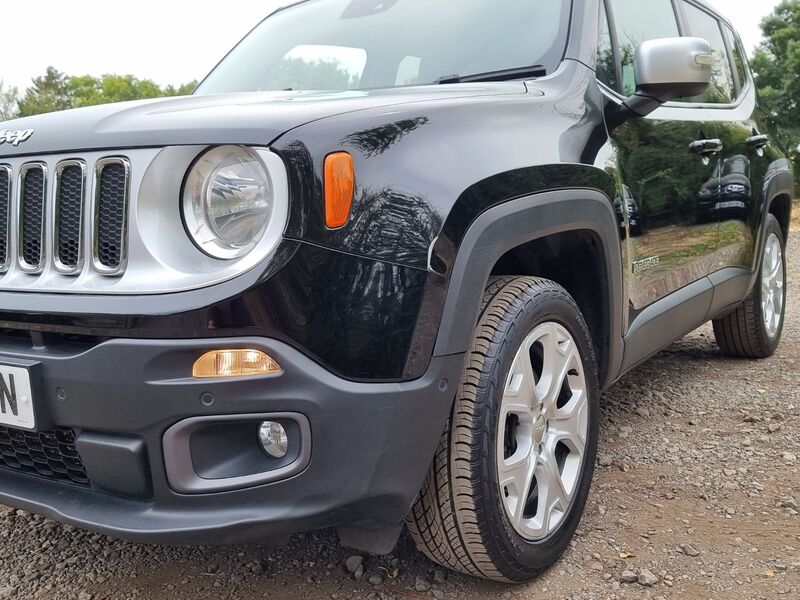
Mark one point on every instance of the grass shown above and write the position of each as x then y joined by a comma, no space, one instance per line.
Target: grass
680,245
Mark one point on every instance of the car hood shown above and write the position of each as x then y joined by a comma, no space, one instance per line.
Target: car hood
248,118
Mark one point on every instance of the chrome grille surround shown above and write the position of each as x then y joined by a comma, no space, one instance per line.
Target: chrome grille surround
5,215
68,219
111,205
32,203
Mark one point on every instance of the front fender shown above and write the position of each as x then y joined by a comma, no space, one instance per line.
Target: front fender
506,226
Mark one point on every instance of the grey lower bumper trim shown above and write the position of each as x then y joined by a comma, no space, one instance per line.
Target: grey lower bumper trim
372,442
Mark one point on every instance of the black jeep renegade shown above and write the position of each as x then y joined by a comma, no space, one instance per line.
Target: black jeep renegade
377,271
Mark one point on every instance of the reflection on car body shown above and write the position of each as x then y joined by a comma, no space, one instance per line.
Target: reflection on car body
629,220
727,195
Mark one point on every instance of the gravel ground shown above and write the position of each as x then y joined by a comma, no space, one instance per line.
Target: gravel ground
695,497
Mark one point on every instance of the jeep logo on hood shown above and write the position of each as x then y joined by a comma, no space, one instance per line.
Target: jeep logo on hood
15,138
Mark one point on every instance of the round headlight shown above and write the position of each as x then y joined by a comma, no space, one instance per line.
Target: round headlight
228,200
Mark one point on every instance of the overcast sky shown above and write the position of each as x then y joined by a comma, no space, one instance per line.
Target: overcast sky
171,41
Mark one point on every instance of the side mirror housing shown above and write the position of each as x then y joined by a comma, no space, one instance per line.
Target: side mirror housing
670,68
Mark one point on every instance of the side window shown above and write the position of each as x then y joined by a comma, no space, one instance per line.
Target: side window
636,22
701,24
738,56
606,64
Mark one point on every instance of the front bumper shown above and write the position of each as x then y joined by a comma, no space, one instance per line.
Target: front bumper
371,443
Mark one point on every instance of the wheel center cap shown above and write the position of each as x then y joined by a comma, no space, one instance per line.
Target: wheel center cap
539,429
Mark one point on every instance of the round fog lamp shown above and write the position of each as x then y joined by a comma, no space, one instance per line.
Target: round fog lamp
273,439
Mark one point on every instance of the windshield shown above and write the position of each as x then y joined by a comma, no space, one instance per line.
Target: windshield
363,44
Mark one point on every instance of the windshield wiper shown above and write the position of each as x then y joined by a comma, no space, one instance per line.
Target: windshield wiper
504,75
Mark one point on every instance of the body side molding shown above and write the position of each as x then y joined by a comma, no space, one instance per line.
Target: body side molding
731,286
667,320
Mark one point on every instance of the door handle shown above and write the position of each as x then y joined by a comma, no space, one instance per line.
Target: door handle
758,141
706,147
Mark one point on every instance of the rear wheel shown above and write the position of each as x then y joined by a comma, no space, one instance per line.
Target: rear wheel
754,329
512,472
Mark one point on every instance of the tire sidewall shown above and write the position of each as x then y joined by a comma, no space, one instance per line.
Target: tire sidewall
536,556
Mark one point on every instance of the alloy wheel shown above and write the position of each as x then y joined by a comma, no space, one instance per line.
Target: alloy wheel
544,425
772,286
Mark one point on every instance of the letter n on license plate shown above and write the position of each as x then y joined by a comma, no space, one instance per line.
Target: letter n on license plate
16,398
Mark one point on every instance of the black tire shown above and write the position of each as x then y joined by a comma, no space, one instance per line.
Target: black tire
743,333
459,520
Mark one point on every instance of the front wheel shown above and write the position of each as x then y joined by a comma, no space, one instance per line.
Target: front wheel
513,469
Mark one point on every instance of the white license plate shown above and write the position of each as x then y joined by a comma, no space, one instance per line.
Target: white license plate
16,399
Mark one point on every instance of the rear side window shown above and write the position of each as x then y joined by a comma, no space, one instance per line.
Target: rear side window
701,24
738,56
638,21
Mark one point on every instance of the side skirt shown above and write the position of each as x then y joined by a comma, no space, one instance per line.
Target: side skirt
667,320
671,318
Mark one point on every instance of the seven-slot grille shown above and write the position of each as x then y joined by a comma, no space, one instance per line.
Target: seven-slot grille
66,209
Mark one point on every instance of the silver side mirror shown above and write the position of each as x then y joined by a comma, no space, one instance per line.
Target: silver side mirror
670,68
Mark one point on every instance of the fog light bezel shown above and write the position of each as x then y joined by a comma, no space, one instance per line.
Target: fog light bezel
179,464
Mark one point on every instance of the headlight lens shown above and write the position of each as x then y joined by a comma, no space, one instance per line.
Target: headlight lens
228,201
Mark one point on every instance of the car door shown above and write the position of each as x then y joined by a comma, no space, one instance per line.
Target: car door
747,152
662,161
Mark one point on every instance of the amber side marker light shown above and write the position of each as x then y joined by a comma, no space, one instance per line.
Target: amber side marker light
340,184
235,363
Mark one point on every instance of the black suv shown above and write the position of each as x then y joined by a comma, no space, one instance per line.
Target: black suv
372,273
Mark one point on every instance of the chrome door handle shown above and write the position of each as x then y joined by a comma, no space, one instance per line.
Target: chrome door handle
706,147
758,141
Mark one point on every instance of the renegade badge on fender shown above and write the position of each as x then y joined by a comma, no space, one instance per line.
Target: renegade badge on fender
377,270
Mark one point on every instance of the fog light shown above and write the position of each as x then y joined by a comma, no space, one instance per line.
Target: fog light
235,363
273,439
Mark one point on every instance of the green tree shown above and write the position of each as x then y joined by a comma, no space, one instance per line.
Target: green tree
777,64
296,73
8,102
89,91
57,91
182,90
47,94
